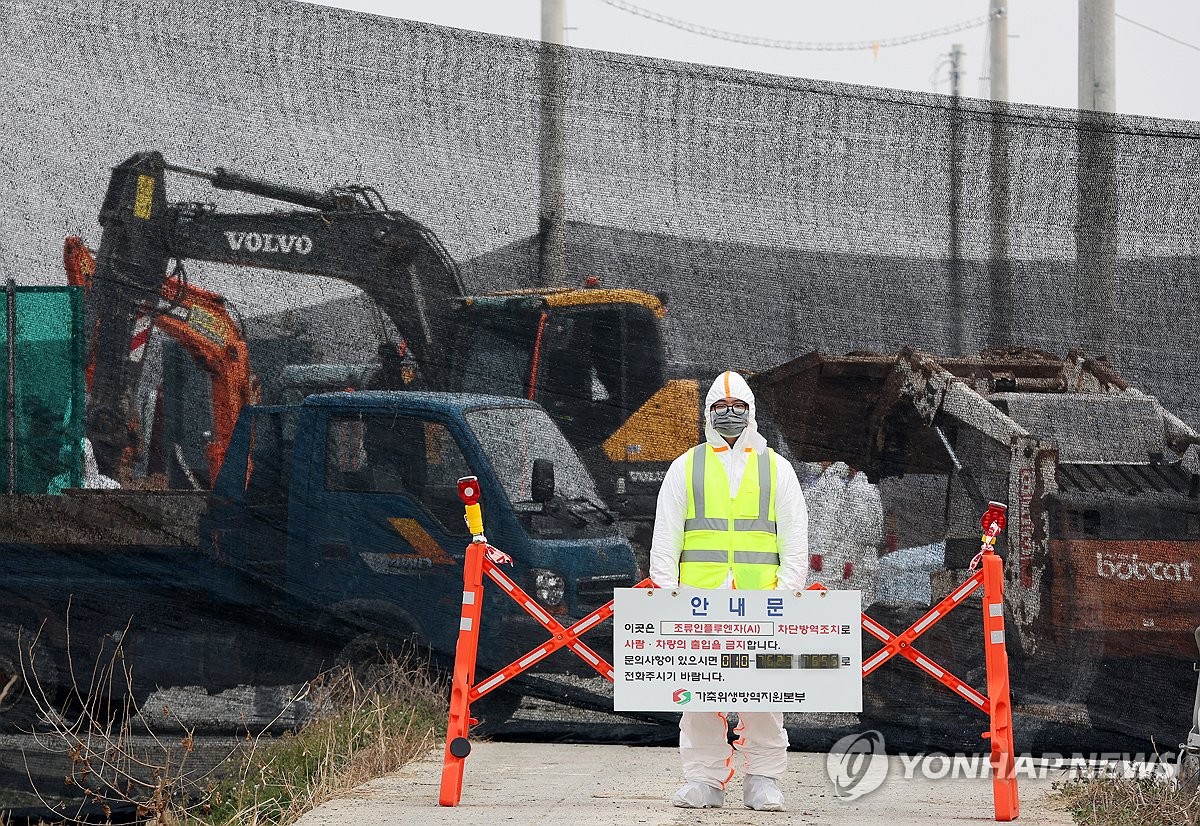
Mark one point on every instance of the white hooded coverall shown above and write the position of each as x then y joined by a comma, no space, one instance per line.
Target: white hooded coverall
762,741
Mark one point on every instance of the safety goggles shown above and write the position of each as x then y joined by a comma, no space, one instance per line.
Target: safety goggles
723,407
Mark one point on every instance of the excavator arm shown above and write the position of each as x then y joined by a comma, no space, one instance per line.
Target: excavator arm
199,321
346,233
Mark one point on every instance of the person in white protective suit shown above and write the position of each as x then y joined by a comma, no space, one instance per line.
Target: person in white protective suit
733,475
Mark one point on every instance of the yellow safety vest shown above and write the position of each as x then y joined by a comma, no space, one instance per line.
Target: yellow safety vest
723,533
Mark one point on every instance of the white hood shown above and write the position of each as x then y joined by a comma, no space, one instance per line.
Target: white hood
732,384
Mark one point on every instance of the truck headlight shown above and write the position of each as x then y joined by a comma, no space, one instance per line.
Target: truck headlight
548,586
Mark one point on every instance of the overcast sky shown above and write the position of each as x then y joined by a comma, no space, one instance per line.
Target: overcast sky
1155,76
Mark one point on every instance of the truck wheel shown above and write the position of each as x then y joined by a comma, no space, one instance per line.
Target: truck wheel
374,657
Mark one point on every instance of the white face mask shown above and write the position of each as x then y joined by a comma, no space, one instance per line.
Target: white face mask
729,423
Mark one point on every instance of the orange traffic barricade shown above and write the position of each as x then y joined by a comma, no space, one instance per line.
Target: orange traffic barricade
483,560
988,572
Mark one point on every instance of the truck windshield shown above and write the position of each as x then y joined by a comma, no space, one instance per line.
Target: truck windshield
512,437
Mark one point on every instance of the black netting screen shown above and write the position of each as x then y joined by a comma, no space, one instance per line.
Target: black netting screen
1040,264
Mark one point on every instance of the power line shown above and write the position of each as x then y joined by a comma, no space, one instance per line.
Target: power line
1157,32
794,45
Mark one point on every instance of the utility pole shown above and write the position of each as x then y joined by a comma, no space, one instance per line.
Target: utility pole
553,21
1097,55
1096,229
998,49
551,271
999,270
957,293
956,56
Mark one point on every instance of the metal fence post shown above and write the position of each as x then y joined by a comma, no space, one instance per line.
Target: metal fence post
10,404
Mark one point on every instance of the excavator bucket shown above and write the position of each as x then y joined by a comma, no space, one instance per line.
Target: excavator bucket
874,410
848,408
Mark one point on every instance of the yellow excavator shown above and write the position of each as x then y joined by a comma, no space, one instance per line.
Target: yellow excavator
594,357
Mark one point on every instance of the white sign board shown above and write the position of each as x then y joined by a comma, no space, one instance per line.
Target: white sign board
696,650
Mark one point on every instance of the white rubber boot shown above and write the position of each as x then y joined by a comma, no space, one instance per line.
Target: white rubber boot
762,794
697,795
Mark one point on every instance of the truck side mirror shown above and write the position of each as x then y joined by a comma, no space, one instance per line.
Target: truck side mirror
542,488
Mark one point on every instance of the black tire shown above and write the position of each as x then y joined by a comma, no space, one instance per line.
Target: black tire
373,656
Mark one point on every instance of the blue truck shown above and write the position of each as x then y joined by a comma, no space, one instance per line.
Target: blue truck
333,533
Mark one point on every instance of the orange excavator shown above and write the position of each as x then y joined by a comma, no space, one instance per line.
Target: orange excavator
199,321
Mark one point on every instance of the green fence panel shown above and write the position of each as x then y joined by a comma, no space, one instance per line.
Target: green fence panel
47,412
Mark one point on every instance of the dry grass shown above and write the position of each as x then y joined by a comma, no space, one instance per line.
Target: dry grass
1109,800
92,727
360,732
361,728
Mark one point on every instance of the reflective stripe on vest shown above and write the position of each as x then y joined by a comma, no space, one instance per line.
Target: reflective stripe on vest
735,533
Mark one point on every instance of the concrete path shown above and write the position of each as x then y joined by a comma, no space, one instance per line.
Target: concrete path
565,785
